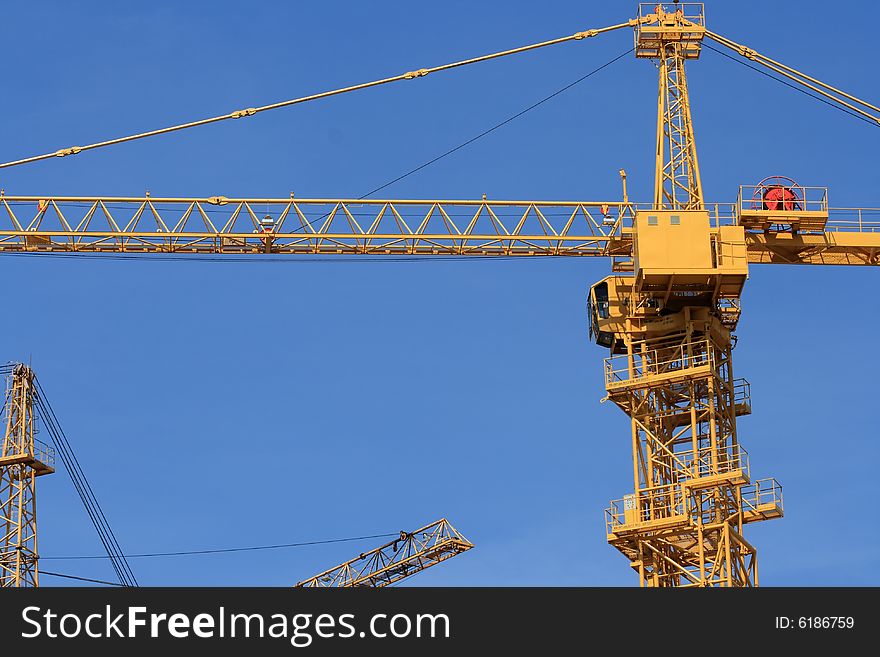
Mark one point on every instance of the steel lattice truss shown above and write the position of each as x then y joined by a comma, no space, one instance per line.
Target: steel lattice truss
220,225
397,559
683,523
678,176
19,467
311,226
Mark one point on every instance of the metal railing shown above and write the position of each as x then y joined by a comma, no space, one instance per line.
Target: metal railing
661,502
708,461
761,493
692,12
742,392
751,198
720,214
858,220
44,453
660,23
658,360
695,12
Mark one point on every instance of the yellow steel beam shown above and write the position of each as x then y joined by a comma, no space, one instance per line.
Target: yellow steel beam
829,248
250,111
20,464
420,227
861,107
403,557
311,226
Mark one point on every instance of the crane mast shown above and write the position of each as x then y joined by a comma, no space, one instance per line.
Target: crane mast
667,315
22,460
410,553
670,38
669,325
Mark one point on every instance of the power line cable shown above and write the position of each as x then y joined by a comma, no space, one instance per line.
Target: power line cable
252,548
81,579
84,489
80,487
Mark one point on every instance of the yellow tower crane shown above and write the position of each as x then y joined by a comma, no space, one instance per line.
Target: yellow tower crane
410,553
667,314
23,459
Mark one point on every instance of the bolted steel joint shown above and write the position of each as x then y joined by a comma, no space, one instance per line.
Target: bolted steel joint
250,111
422,72
73,150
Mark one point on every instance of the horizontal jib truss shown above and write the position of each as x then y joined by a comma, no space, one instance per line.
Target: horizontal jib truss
311,226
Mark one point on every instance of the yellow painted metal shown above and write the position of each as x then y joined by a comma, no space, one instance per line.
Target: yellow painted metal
410,553
678,239
666,315
312,226
22,460
668,327
658,25
285,226
861,107
671,38
251,111
683,526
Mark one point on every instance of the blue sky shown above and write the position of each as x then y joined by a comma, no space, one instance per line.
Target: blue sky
227,404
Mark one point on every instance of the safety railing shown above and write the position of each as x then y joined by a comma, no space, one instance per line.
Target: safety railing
853,220
729,310
694,12
44,453
720,214
659,23
762,497
659,359
781,198
710,461
742,394
650,504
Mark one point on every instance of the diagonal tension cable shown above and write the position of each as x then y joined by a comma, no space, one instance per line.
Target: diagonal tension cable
484,133
791,85
840,99
424,165
80,579
250,111
250,548
498,125
84,489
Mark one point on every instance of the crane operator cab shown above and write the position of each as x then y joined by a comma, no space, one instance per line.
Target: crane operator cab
684,271
606,308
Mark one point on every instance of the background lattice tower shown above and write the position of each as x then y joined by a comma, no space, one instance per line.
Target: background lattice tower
22,460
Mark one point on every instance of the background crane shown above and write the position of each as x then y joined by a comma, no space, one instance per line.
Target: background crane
410,553
22,460
404,236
